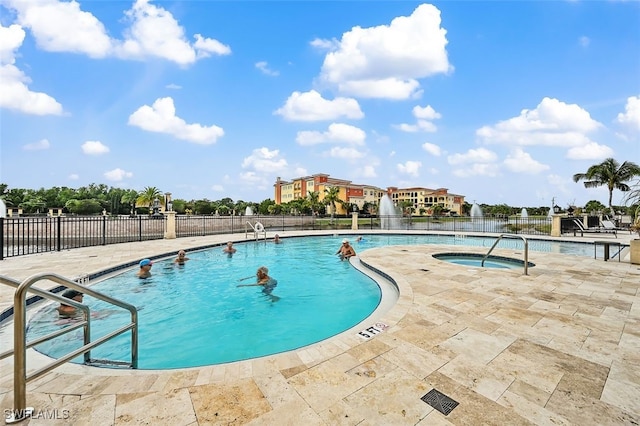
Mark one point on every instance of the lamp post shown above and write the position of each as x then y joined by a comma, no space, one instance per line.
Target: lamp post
556,209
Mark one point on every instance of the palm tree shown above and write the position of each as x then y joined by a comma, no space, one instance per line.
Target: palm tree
313,200
129,198
332,196
609,173
149,195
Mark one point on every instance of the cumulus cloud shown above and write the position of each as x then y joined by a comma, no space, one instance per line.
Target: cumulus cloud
552,123
475,162
37,146
368,171
61,26
411,168
161,118
217,188
480,155
264,67
347,153
519,161
14,91
336,133
590,151
432,149
117,175
94,148
424,117
265,160
631,115
311,106
386,61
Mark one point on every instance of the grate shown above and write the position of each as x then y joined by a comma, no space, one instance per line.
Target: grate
439,401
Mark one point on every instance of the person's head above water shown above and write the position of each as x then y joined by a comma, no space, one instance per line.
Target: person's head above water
145,262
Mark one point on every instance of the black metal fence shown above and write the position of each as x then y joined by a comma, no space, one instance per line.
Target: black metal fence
30,235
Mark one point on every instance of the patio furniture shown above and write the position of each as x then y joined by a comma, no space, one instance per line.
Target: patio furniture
593,230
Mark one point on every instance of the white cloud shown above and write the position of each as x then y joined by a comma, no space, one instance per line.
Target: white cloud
432,149
94,148
37,146
480,155
519,161
14,92
323,44
411,168
265,160
386,61
217,188
424,117
311,106
74,176
264,67
631,115
590,151
336,133
478,169
345,153
552,123
368,171
426,113
173,86
161,118
116,175
561,184
61,26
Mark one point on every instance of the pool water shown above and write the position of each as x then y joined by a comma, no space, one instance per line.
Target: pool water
475,260
195,314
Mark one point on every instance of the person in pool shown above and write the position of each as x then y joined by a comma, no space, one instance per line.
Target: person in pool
264,280
182,258
276,239
68,311
229,249
346,251
145,268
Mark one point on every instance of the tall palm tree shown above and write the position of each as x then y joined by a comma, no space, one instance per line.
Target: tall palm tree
609,173
332,196
313,200
148,195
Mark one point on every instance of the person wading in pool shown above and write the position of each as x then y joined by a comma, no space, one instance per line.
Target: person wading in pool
264,280
68,311
346,251
229,249
145,268
182,258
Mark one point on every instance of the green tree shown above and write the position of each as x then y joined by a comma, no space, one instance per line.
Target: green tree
129,198
611,174
263,206
331,197
148,195
313,201
594,206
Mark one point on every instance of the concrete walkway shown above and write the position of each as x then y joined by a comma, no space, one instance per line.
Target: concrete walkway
559,346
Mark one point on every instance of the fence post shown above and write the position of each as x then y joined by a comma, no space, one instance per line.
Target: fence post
2,239
139,228
59,234
104,230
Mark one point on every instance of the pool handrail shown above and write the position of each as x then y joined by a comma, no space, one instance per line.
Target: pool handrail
257,229
20,378
526,250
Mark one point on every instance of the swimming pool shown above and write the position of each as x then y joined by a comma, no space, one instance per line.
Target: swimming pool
195,315
479,261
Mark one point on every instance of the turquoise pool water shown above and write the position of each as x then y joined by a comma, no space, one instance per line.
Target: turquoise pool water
195,314
475,260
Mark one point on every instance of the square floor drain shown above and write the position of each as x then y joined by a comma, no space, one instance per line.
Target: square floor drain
440,401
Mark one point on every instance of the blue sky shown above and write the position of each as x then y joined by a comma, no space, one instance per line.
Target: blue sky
501,102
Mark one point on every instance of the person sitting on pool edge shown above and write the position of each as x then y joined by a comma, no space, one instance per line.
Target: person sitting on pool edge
264,280
182,258
229,249
346,251
145,268
68,311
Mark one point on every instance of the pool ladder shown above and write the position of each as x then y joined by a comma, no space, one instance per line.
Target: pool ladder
20,344
526,250
257,229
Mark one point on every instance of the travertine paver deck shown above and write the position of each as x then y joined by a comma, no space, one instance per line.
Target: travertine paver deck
560,346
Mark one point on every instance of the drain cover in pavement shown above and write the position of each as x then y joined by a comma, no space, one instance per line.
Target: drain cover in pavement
439,401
